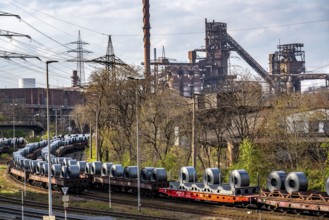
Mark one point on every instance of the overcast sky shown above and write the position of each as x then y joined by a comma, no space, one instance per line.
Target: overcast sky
257,25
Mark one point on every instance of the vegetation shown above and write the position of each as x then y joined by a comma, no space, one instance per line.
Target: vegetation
237,127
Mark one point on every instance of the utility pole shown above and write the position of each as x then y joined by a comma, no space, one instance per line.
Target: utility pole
79,59
9,34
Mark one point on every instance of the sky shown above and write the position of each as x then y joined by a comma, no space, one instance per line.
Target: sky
178,26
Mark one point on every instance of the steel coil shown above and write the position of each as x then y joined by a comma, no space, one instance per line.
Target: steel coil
82,166
188,174
212,176
26,164
147,173
88,168
47,156
72,162
61,160
96,167
117,170
44,169
130,172
239,178
54,160
73,171
295,182
64,172
39,166
275,180
56,170
33,166
106,169
66,161
159,174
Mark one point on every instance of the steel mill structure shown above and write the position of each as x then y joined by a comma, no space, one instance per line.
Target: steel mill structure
207,69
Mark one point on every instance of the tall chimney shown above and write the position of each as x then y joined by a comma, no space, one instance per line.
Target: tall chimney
75,78
147,43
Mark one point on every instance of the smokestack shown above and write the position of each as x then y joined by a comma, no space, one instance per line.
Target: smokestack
75,78
147,43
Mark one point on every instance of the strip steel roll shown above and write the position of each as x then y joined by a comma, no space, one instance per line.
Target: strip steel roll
212,176
239,178
188,174
295,182
275,180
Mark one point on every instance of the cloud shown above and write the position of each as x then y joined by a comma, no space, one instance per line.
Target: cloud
177,25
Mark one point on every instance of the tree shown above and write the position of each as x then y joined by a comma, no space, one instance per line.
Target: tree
160,115
110,101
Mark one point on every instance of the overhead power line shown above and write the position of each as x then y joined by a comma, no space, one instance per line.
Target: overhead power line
164,34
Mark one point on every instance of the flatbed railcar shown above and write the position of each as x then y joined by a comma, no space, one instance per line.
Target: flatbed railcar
242,200
316,203
76,185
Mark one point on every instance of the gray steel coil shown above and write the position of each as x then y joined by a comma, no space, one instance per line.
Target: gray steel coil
44,169
212,176
48,156
56,170
73,171
239,178
106,169
64,172
88,168
159,174
275,180
54,160
96,167
39,166
188,174
66,161
147,173
26,164
21,162
72,162
295,182
117,170
33,166
82,166
130,172
61,160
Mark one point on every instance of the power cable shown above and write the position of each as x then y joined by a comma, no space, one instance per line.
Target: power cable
179,33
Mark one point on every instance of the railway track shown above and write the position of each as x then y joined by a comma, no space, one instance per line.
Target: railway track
195,208
80,211
173,207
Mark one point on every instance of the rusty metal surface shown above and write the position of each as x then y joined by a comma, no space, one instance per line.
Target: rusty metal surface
146,30
303,201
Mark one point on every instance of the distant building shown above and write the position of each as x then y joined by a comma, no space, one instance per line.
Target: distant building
26,83
31,102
